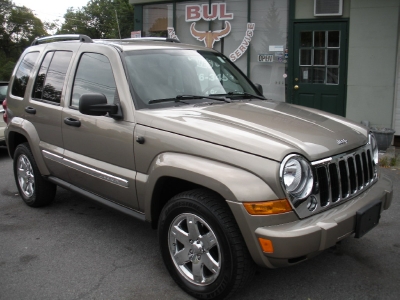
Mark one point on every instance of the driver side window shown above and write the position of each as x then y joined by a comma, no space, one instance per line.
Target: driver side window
94,75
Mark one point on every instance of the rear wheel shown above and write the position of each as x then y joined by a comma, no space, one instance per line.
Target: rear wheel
32,187
202,246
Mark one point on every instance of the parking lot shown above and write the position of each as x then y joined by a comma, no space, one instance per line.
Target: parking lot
76,249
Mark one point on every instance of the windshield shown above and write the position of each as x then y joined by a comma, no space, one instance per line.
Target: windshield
171,74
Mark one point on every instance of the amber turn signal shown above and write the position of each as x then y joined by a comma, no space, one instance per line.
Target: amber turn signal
268,208
266,245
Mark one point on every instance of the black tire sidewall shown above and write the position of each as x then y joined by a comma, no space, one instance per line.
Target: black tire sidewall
24,150
220,287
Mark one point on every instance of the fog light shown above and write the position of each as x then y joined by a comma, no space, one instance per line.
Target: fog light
312,203
266,245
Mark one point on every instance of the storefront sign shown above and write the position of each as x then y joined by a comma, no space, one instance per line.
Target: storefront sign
276,48
172,34
136,34
265,57
245,43
197,12
210,37
194,13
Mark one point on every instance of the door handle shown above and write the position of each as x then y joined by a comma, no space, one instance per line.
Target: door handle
72,122
30,110
296,87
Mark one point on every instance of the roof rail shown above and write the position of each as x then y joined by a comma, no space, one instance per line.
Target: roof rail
62,37
154,39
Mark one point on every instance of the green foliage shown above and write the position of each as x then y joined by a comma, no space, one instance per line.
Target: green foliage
387,162
18,28
98,19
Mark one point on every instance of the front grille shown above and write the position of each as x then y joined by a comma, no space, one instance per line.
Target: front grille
340,178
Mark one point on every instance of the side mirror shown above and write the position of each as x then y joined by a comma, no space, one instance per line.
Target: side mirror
259,88
96,105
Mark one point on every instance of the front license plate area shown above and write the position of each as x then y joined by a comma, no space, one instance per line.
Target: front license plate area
367,218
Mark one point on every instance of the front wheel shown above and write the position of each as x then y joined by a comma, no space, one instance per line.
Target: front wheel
32,187
202,246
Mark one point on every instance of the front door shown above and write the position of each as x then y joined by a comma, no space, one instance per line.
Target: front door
319,66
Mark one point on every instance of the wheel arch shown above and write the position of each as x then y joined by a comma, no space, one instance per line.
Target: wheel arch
22,131
172,173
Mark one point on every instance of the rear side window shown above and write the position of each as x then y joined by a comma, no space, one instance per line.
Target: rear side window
94,75
23,73
51,76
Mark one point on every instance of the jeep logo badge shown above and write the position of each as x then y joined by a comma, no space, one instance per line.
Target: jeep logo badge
341,142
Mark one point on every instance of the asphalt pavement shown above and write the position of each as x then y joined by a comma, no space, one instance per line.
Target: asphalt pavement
77,249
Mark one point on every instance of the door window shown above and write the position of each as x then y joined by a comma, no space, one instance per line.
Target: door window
319,57
94,75
51,76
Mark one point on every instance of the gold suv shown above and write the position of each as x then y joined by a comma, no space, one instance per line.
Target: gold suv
176,135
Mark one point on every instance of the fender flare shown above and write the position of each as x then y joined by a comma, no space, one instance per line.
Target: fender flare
231,182
26,129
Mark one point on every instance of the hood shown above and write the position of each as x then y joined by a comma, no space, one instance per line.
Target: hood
264,128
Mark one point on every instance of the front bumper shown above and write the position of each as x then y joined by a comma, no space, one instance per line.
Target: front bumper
295,240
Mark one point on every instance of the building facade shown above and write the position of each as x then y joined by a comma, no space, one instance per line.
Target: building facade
340,56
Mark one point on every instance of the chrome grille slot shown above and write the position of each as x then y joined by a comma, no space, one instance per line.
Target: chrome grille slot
344,178
323,182
352,175
365,168
335,182
339,178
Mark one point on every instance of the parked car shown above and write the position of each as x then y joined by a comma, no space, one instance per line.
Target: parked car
3,90
176,135
2,127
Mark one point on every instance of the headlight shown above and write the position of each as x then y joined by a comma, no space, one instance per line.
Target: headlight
374,148
296,177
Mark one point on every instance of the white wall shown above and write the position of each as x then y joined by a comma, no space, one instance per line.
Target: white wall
373,39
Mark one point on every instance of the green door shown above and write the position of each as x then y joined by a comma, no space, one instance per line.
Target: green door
319,66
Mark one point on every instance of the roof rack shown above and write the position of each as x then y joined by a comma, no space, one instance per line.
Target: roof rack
154,39
62,37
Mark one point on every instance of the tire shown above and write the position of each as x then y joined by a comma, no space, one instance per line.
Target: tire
202,246
32,187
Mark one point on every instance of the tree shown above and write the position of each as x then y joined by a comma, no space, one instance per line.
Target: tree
98,19
18,28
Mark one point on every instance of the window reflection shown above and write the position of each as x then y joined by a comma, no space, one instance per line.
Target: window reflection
23,73
94,75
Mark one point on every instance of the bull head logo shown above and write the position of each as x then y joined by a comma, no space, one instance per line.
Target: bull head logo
210,37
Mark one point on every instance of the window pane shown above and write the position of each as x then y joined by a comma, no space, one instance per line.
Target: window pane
332,76
305,74
56,76
319,75
23,73
333,38
41,77
333,57
305,57
319,57
94,75
319,39
306,39
156,19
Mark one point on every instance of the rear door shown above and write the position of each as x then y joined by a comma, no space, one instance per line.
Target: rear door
99,149
43,109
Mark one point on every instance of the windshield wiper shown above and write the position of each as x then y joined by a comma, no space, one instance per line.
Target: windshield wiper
240,94
179,98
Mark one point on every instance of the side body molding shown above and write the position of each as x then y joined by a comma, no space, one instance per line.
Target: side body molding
230,182
26,128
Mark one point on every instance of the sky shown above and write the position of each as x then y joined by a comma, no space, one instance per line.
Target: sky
49,10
